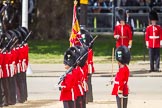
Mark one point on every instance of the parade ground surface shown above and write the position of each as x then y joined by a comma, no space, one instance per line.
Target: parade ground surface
42,92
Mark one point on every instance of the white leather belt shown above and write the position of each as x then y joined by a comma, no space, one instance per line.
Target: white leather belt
117,82
154,37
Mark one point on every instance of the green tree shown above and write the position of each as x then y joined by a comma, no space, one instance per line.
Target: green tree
53,19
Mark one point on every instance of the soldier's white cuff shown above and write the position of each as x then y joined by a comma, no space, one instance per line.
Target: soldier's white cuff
161,43
129,46
117,23
147,44
90,68
63,86
116,36
90,62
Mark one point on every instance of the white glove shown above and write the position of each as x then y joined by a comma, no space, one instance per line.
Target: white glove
147,47
120,95
147,44
129,46
116,36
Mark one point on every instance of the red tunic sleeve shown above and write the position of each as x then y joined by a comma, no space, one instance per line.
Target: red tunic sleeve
121,80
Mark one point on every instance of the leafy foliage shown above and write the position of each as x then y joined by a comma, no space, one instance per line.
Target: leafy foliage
52,51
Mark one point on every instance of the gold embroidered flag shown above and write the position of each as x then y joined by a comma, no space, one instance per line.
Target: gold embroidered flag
75,33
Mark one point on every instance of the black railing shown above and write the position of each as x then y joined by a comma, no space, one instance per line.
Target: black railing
100,22
105,20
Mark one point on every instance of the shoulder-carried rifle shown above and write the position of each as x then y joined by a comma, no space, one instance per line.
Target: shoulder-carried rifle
24,41
62,77
5,48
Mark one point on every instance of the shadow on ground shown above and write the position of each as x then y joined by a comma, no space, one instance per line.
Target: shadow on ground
132,73
31,104
105,102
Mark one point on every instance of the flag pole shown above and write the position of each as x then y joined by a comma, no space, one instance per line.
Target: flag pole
112,61
75,24
74,11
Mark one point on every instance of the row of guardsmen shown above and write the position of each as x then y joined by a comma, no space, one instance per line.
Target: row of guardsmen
13,65
78,61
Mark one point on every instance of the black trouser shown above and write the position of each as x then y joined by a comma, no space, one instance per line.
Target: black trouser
84,100
89,94
12,88
79,102
21,87
83,15
154,54
1,94
68,104
122,101
6,92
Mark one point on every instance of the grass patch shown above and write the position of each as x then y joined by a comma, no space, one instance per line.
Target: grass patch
51,51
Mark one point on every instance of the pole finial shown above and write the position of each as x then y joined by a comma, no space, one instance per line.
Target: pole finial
75,2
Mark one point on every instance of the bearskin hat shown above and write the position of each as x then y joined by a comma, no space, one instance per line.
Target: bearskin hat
83,50
1,41
87,37
14,38
153,15
24,32
18,34
70,57
13,35
75,50
7,40
122,55
121,14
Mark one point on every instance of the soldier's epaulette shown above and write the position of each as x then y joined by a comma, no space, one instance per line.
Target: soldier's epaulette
17,47
158,25
149,25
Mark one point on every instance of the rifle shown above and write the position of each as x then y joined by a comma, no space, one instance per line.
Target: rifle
5,48
24,41
14,44
62,77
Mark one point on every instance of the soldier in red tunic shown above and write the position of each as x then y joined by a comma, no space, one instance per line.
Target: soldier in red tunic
12,68
67,94
153,40
7,57
74,59
122,31
82,72
87,38
120,88
22,64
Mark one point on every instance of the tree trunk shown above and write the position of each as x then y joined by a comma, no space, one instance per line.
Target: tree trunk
53,19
